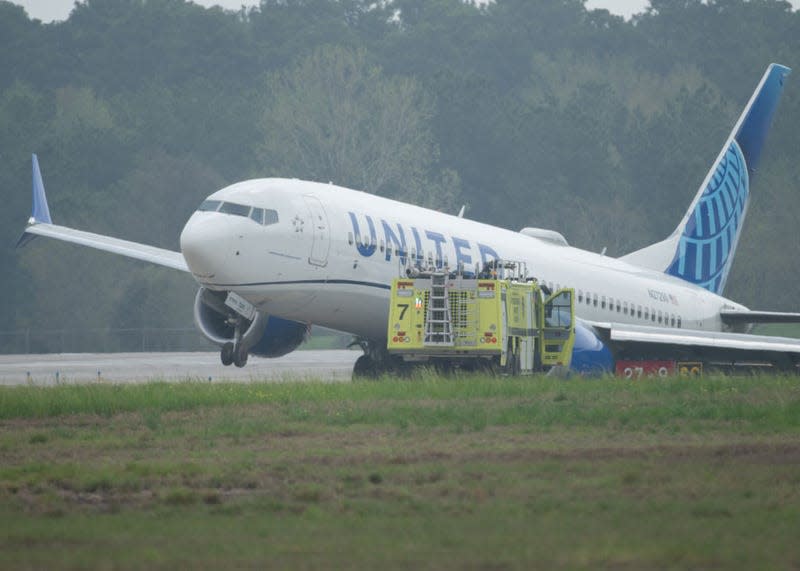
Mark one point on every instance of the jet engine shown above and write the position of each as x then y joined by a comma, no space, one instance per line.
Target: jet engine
237,336
590,355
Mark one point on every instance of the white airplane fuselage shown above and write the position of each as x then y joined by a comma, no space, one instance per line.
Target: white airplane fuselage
330,258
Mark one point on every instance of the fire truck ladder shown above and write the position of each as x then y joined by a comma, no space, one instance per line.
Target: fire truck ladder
438,325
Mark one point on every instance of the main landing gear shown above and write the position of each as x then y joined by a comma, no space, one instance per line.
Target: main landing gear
376,361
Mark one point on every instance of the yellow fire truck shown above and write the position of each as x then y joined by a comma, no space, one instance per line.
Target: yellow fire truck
500,319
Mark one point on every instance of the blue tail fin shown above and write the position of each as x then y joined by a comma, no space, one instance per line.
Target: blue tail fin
701,248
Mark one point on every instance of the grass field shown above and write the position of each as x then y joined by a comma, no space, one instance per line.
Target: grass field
425,473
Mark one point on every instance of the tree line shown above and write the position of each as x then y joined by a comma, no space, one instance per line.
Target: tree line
530,112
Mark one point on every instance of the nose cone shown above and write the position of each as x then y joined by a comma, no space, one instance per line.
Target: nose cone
205,244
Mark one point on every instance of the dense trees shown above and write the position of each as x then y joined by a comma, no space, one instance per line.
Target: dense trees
335,117
534,112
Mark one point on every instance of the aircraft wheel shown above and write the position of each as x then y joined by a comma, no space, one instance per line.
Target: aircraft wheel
240,357
226,354
365,368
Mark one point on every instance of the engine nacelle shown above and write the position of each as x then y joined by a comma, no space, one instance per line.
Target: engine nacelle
265,336
590,355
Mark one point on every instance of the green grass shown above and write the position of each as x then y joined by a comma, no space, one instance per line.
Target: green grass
779,329
423,473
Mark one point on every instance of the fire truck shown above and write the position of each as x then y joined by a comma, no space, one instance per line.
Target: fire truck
500,319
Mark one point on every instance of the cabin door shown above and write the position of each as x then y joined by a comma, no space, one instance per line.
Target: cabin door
321,233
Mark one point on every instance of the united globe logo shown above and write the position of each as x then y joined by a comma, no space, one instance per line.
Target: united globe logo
708,241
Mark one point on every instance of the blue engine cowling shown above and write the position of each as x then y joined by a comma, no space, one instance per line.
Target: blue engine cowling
590,354
280,337
265,336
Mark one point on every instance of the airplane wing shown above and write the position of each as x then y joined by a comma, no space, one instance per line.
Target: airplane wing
636,341
40,224
731,316
159,256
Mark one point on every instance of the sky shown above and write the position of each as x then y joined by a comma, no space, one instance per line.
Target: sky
49,10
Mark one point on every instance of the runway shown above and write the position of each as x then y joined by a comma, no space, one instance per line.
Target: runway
144,367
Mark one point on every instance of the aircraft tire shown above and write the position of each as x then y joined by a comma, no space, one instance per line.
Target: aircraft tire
226,354
365,368
240,357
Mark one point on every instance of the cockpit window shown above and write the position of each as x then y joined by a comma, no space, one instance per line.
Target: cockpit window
257,214
270,217
263,216
209,206
235,209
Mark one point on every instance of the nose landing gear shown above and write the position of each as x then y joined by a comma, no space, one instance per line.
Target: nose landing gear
236,352
230,322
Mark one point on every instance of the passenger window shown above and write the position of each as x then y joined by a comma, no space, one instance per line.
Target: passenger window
646,313
382,246
672,320
271,217
350,238
625,307
619,306
653,314
639,312
580,296
659,316
209,206
603,302
679,322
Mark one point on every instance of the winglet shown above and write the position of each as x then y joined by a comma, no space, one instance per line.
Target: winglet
40,213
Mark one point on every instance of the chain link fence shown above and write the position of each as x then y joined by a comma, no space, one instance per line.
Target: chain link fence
24,341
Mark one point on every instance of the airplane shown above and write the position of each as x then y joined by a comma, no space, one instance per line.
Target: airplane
272,256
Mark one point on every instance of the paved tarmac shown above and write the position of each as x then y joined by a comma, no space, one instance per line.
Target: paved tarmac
144,367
